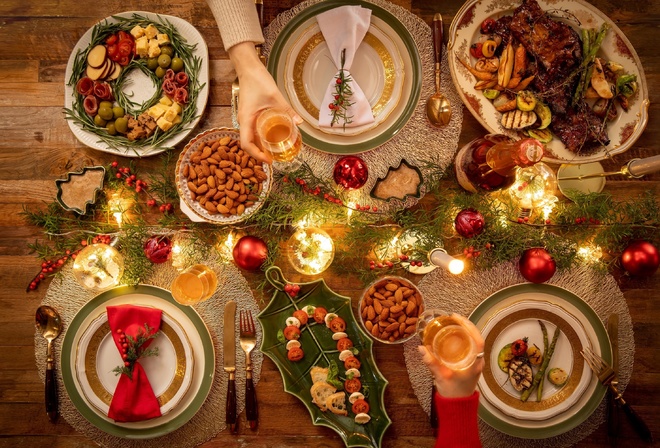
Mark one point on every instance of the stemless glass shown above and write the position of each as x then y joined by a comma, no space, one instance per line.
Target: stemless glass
449,341
280,137
194,285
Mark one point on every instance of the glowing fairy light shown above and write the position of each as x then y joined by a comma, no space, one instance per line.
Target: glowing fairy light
440,257
590,254
311,250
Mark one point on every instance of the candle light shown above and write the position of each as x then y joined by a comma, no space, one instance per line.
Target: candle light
534,187
98,267
311,250
440,257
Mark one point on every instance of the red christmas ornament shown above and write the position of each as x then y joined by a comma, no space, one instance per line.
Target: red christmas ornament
537,265
158,249
469,223
640,258
350,172
250,253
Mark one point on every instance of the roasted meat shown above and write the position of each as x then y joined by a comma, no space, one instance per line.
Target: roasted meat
580,130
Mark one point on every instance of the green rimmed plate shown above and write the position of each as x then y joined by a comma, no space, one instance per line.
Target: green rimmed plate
401,47
320,349
200,341
595,332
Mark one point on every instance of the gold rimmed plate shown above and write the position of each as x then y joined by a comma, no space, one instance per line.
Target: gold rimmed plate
170,373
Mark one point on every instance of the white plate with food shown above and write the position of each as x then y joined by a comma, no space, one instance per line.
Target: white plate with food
387,67
170,373
569,136
102,72
552,304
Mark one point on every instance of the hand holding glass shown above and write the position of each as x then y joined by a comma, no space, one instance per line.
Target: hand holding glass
279,136
449,341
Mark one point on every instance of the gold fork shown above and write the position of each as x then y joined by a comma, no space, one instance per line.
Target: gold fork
248,339
606,376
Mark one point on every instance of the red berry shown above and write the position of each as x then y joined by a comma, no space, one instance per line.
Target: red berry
126,363
338,81
118,175
119,331
114,164
162,208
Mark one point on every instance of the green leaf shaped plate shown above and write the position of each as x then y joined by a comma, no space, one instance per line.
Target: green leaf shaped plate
320,349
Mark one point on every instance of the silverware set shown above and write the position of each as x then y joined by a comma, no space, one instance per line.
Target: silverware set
248,339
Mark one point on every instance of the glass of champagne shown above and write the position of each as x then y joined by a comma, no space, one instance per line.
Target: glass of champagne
194,285
280,137
449,341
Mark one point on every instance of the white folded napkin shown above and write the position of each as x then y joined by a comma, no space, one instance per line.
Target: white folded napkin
344,28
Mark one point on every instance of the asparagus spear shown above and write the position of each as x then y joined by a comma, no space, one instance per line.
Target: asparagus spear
591,42
544,365
539,391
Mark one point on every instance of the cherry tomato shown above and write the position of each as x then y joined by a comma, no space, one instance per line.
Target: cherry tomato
337,324
352,385
291,333
352,363
319,314
123,35
475,50
301,316
360,406
519,347
295,354
125,47
113,51
344,344
487,26
112,39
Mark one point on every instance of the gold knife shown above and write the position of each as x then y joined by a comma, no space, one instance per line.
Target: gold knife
613,421
229,360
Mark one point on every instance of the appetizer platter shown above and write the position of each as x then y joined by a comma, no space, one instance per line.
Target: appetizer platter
572,79
136,83
325,359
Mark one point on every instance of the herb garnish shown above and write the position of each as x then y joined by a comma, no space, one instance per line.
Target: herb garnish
134,350
343,92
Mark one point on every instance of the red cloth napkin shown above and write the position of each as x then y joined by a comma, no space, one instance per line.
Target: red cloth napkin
134,399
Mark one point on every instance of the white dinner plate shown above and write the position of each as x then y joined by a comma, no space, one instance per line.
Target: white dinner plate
170,373
140,88
203,357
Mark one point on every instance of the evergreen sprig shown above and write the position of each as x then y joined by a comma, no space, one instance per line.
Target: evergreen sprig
136,350
343,93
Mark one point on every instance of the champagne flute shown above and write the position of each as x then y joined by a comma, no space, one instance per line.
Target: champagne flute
280,137
449,341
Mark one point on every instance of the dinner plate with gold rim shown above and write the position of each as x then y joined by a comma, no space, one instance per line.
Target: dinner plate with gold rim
571,305
202,353
394,37
170,372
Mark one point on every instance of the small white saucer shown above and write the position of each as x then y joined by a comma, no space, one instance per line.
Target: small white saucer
590,185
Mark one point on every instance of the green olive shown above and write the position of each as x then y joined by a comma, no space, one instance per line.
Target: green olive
152,64
164,61
98,121
112,130
105,113
117,111
177,64
167,49
121,124
105,104
160,72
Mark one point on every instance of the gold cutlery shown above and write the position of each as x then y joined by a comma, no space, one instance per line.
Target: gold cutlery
606,376
49,323
229,360
438,109
613,421
248,339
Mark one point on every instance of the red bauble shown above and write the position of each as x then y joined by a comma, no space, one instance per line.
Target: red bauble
350,172
158,249
250,253
537,265
640,258
469,223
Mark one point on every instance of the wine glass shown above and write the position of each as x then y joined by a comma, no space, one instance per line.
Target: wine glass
194,285
449,341
280,137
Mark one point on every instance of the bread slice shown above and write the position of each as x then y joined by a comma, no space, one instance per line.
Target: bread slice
320,392
337,403
318,374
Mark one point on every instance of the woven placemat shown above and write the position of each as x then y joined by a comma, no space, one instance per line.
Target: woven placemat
67,297
417,141
462,294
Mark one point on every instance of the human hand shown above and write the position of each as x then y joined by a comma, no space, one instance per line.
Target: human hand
456,384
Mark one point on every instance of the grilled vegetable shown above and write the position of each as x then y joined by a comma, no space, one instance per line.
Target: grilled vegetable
539,391
525,100
504,358
557,376
542,135
544,114
598,81
520,374
518,119
546,360
488,48
506,66
534,355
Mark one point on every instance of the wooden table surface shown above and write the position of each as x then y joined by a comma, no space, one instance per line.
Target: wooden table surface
37,147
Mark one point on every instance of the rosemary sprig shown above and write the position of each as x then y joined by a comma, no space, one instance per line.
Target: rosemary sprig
135,350
343,92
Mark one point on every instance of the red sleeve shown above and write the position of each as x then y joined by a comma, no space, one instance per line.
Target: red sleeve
457,420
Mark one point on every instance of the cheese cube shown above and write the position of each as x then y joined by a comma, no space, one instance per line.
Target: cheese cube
163,39
176,107
176,120
137,31
151,31
164,124
156,111
142,46
165,100
154,49
170,114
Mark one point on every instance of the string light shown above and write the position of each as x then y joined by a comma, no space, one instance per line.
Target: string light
535,187
311,250
590,254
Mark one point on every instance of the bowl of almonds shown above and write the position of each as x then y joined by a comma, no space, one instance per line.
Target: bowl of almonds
389,309
218,181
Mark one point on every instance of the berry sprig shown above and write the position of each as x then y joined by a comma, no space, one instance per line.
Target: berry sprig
316,191
132,349
131,180
343,92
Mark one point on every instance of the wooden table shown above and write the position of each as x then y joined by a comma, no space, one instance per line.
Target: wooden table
37,147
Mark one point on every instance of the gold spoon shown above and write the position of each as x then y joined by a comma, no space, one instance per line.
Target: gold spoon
438,109
49,323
